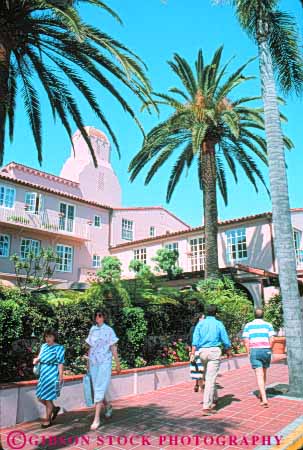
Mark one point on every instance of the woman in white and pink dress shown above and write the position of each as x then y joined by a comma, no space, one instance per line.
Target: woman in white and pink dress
102,342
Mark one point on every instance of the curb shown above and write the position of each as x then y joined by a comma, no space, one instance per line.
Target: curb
292,437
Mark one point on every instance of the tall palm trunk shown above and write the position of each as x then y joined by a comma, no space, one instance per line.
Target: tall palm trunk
4,75
209,179
283,232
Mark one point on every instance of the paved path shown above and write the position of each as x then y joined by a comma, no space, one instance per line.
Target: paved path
162,418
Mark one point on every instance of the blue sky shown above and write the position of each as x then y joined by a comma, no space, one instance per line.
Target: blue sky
155,29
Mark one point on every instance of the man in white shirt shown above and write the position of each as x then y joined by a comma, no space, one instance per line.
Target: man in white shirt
258,336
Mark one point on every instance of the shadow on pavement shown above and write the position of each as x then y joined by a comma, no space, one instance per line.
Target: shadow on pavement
150,420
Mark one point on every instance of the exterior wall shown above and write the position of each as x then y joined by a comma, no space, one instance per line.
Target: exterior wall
86,239
297,221
259,244
143,219
258,247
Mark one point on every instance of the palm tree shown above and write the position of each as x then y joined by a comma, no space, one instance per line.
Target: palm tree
276,37
46,41
209,127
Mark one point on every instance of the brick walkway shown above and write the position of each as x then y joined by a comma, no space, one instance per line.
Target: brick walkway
174,412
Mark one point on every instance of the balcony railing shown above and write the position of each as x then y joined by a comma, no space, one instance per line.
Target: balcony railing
47,221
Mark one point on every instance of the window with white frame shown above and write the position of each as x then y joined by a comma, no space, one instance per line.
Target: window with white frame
97,222
152,231
197,253
236,244
4,245
298,247
7,196
140,254
29,246
33,202
96,261
127,229
65,258
67,217
172,246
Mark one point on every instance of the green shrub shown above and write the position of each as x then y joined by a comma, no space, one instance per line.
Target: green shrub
131,328
21,321
167,262
273,312
74,317
108,285
235,309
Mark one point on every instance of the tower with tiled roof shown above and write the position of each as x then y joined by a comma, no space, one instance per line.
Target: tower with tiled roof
98,184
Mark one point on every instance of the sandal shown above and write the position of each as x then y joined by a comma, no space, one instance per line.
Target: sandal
55,412
46,425
208,412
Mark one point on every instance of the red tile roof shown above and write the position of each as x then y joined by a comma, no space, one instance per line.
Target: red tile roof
261,272
40,187
144,208
40,173
265,215
53,191
256,271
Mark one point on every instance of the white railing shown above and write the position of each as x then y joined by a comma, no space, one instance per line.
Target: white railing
50,221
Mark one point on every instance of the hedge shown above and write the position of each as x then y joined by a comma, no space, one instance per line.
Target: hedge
163,316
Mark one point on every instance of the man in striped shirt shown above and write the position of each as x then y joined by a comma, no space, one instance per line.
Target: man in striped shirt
258,337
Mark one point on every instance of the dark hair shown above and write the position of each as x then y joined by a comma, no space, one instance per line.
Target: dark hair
211,310
100,312
259,313
51,332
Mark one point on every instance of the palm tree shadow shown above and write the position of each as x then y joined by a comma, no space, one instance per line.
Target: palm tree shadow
134,420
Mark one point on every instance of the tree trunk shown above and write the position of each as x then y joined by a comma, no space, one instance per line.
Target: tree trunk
209,180
4,75
283,231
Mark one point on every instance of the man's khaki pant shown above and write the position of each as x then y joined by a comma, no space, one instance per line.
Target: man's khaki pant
210,358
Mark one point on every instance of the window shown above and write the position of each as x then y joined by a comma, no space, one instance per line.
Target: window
298,247
140,254
197,253
152,231
96,261
67,216
127,229
33,202
172,246
236,245
7,196
29,246
65,257
4,245
97,221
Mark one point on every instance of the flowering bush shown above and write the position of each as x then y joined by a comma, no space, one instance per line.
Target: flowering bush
174,352
238,346
140,362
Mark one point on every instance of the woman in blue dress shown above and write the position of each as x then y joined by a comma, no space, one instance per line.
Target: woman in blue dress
51,360
102,342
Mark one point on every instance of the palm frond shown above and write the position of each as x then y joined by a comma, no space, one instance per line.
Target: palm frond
287,57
